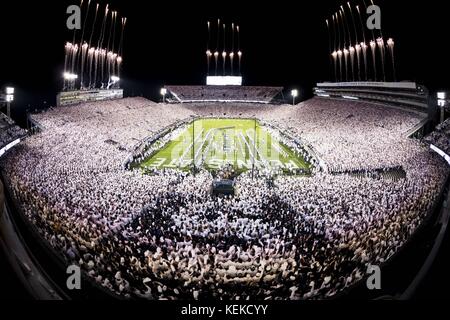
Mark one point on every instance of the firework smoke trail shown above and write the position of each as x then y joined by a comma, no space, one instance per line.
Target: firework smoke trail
124,22
216,53
357,45
119,65
75,30
209,35
92,50
114,54
380,44
113,13
353,20
391,45
373,33
347,26
339,46
362,24
84,46
72,68
358,58
224,52
90,62
232,49
208,52
114,33
364,51
344,50
343,28
84,23
338,30
114,57
84,50
352,61
363,44
102,30
346,63
106,69
96,53
381,31
216,59
108,66
93,26
75,50
334,54
74,56
350,42
119,58
68,50
100,45
113,64
334,34
239,47
108,48
102,66
224,58
373,48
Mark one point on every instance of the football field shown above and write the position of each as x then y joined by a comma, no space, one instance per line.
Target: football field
214,143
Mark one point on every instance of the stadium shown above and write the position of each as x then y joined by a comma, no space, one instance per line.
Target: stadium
228,191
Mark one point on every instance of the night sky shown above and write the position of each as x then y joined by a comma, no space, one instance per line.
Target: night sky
285,43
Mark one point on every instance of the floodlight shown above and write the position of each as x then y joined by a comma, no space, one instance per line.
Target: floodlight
294,94
9,90
70,76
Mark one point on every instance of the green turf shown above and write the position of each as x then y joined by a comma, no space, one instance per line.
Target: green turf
220,142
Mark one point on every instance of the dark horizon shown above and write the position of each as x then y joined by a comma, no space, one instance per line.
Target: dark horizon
284,44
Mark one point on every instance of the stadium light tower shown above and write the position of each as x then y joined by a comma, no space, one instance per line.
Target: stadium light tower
9,98
70,78
294,94
442,103
164,93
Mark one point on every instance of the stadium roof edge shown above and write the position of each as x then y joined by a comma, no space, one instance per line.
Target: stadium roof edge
391,85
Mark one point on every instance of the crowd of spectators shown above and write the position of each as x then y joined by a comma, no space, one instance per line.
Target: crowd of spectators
165,236
441,137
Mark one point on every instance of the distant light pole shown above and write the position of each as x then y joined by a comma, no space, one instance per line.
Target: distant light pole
9,98
442,103
70,78
294,94
164,93
113,82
